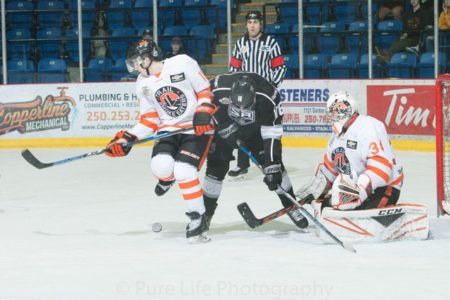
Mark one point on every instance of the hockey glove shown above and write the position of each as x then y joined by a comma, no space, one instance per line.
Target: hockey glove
345,193
273,176
316,186
116,145
203,121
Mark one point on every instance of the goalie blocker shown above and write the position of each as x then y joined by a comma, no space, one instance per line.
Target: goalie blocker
397,222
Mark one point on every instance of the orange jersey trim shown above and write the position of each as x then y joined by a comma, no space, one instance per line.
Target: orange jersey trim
381,160
149,124
379,172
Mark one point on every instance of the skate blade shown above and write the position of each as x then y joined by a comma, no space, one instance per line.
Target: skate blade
238,178
199,239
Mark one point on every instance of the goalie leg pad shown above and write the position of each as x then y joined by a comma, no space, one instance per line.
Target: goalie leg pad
398,222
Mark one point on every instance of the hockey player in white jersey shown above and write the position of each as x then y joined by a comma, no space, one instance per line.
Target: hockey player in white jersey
171,92
359,170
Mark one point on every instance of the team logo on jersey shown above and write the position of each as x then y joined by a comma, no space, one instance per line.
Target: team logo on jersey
177,77
244,49
352,144
172,100
146,91
341,161
242,117
265,48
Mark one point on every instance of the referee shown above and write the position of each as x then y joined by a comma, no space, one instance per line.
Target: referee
259,53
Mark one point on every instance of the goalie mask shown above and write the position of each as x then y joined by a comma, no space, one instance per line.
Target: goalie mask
243,99
142,54
340,108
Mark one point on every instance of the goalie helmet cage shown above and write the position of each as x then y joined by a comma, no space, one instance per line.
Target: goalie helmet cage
443,143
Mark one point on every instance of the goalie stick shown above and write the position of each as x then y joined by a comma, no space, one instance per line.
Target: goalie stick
29,157
305,213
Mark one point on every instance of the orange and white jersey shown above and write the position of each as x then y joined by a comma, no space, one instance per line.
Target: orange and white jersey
168,100
363,152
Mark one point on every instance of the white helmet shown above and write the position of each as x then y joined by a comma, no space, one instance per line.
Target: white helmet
340,108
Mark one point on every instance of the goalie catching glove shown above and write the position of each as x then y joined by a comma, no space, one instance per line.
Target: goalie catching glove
203,120
117,146
346,194
273,176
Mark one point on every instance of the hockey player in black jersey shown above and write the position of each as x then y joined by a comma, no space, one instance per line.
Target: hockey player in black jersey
249,110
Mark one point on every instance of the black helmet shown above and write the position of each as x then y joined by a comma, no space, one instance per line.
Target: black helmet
140,50
147,34
243,93
254,15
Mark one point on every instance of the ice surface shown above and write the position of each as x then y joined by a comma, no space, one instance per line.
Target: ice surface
83,231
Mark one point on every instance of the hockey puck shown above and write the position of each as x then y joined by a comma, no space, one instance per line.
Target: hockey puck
156,227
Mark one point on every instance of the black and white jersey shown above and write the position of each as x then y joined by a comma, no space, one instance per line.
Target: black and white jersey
263,121
262,56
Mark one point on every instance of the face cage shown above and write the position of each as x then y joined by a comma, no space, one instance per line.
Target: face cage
339,112
134,61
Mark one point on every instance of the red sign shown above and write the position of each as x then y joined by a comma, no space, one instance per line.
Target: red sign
404,109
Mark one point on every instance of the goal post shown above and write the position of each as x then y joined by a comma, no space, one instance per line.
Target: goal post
443,143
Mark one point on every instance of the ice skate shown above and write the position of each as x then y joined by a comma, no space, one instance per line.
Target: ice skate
163,186
197,229
238,174
299,220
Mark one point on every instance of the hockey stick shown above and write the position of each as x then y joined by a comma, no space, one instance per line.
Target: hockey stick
29,157
304,212
253,221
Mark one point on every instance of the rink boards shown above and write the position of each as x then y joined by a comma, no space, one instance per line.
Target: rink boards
89,114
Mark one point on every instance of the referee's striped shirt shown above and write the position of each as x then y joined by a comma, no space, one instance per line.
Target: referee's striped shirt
262,56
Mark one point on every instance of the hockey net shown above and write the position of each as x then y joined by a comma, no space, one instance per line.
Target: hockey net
443,143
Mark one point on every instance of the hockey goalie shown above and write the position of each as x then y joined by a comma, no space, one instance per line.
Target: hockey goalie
357,186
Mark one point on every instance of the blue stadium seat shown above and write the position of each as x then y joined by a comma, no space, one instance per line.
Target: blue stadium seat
202,44
195,2
50,48
119,69
342,65
288,13
143,4
217,15
356,40
178,30
277,28
20,71
52,70
425,67
23,17
402,65
18,49
345,11
121,41
88,12
141,18
313,14
330,40
291,62
98,70
72,44
309,41
363,67
279,31
314,65
53,14
117,15
387,33
191,16
170,3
